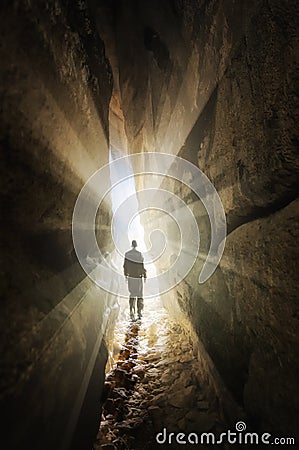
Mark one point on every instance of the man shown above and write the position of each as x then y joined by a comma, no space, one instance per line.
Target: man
134,271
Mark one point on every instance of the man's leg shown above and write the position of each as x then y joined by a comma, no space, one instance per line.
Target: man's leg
139,307
132,306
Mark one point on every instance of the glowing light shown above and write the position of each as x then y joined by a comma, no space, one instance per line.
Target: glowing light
119,193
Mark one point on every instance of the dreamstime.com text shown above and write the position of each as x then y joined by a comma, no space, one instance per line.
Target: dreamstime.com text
239,436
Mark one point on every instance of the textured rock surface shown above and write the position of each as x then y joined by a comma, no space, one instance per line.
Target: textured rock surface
170,57
168,390
245,139
247,314
247,317
55,92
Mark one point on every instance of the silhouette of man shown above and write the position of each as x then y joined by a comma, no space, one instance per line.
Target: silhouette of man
134,271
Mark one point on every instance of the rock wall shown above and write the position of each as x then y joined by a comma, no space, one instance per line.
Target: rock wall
226,73
244,140
55,88
171,55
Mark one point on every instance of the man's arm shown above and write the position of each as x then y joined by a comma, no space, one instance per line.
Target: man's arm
125,266
143,269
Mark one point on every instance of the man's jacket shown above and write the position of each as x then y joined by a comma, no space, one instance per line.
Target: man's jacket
133,264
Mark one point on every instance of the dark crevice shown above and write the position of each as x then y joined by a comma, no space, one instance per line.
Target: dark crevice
234,222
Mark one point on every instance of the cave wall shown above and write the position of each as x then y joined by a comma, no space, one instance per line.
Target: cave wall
170,56
215,82
56,85
245,141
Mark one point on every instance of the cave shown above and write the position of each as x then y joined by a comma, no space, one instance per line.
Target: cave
168,98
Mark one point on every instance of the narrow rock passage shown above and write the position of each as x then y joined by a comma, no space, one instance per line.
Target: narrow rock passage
154,384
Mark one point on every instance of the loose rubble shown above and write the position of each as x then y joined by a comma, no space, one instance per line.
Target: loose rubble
154,384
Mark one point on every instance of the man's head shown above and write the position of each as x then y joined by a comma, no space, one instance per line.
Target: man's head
134,244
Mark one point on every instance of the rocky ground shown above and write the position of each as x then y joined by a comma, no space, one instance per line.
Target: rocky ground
154,384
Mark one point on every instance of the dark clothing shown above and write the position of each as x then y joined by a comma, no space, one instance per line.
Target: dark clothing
135,286
135,271
133,265
139,305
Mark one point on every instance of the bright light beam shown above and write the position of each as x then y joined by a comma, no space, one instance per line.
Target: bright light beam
122,191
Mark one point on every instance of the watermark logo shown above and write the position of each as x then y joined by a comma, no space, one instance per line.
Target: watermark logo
238,436
240,426
157,172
